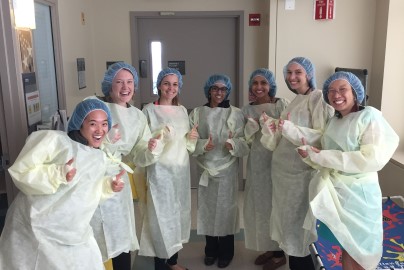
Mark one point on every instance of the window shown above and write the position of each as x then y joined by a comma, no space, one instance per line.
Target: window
156,63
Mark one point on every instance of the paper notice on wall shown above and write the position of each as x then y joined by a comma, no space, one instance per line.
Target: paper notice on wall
33,107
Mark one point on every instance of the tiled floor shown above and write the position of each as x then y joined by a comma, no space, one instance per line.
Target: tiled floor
192,254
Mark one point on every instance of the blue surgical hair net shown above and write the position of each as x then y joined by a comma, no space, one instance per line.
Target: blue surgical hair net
354,81
169,71
83,109
111,72
217,78
308,66
268,75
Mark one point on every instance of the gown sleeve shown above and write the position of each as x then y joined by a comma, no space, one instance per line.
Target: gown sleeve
199,144
270,139
320,113
141,154
377,144
40,167
237,140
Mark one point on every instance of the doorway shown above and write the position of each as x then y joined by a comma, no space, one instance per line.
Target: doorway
198,44
13,115
3,166
48,60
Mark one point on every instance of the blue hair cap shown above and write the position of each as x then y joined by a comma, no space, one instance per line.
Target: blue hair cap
111,72
83,109
268,75
169,71
307,65
217,78
354,81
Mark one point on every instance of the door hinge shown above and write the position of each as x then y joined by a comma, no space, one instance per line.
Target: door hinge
4,162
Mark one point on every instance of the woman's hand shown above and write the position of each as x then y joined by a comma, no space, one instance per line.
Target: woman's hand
193,133
264,117
228,145
282,122
209,146
303,153
114,135
71,171
117,183
153,143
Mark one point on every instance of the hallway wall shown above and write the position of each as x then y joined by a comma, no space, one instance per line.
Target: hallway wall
101,39
345,41
355,38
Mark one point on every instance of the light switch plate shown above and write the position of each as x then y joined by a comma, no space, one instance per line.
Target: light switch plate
289,4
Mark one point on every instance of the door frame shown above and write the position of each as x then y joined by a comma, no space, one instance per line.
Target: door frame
57,50
13,120
238,15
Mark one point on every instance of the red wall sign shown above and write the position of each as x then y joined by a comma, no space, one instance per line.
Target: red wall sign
324,9
330,9
254,19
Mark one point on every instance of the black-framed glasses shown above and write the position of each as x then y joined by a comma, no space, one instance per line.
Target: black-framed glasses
218,89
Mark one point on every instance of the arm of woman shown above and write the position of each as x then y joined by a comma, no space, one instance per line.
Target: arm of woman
320,113
377,144
235,122
40,168
147,149
198,145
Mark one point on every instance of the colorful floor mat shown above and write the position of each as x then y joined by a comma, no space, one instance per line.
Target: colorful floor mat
393,243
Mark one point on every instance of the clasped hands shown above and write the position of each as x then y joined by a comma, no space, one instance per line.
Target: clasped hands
273,126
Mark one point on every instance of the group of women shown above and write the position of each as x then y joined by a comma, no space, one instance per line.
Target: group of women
315,157
326,149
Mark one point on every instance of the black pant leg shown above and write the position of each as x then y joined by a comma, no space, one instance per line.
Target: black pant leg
226,247
159,264
301,263
122,261
279,254
212,246
173,259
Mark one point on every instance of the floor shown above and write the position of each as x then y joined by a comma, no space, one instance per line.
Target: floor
192,254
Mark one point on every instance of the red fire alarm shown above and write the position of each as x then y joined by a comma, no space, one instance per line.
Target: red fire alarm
254,19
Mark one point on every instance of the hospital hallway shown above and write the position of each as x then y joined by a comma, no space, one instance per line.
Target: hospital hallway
192,255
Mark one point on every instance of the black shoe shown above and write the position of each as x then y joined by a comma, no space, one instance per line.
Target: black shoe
223,263
209,260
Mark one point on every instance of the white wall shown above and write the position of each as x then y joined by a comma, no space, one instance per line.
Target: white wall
77,42
106,35
388,59
394,69
346,41
356,38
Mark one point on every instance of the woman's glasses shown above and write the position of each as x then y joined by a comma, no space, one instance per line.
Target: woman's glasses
218,89
339,92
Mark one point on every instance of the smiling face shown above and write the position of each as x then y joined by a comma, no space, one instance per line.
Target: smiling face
341,96
123,88
260,87
218,93
168,88
296,77
95,127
